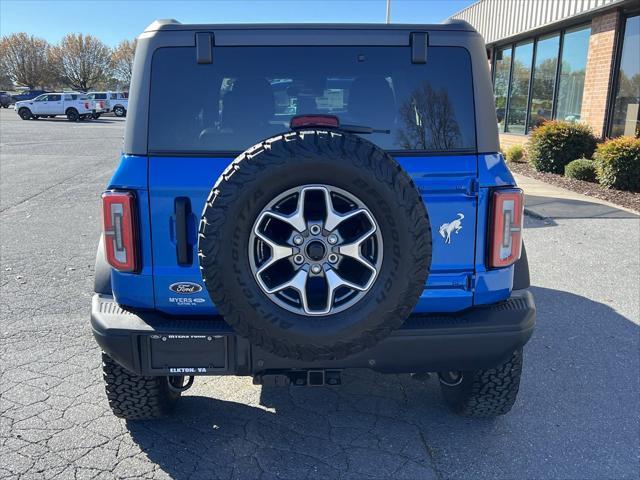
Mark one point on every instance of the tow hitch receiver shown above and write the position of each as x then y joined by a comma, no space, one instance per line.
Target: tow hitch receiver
299,378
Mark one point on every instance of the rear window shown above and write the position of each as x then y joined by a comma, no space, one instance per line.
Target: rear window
251,93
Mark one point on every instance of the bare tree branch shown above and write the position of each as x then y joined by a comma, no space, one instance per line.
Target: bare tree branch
429,121
81,61
25,59
122,61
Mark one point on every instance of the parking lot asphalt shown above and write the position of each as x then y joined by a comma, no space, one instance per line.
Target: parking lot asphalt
577,415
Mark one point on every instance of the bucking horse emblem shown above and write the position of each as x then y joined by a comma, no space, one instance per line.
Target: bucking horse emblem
446,229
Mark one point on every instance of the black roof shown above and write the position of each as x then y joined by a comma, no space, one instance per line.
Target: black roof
173,25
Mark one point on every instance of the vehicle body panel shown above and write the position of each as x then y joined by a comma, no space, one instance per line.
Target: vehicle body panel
447,183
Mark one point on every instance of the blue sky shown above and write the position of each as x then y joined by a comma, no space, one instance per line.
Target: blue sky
116,20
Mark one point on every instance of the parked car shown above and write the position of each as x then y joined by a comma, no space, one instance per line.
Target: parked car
369,222
76,106
5,100
116,102
27,95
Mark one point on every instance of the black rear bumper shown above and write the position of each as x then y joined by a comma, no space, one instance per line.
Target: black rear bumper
150,343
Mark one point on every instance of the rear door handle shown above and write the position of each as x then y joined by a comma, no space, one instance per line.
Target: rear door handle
184,253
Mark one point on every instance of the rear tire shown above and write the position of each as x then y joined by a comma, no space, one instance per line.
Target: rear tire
119,111
135,397
25,113
483,393
72,115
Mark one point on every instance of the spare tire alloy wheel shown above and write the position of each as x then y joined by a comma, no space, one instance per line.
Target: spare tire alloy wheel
332,258
315,245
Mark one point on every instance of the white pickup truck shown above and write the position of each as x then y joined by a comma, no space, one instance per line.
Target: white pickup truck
76,106
116,102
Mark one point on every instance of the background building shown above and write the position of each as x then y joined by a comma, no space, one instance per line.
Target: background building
576,60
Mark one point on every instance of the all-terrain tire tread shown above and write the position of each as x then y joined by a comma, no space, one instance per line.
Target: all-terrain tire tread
135,397
487,393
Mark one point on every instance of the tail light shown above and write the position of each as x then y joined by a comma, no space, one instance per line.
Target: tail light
507,215
120,230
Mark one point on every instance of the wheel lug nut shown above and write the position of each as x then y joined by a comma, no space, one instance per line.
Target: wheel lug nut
316,269
298,259
332,239
314,229
333,258
298,239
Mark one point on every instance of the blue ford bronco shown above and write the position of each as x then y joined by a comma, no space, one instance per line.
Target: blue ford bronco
296,200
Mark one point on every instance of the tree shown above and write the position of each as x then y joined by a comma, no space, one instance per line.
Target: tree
429,121
5,81
81,61
122,61
24,59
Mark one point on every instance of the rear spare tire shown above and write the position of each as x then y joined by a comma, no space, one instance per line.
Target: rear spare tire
315,245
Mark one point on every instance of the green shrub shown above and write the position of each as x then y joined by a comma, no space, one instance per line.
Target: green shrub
581,169
554,144
515,153
618,163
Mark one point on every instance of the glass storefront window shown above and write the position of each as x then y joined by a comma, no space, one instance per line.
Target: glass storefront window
519,91
501,67
545,87
575,48
544,80
626,107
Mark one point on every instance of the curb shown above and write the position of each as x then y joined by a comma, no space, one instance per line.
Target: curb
533,214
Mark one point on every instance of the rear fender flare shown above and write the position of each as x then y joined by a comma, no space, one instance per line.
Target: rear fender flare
521,279
102,278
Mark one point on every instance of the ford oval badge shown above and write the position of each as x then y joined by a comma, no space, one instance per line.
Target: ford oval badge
185,288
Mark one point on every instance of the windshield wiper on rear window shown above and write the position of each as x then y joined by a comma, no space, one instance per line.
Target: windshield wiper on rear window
362,129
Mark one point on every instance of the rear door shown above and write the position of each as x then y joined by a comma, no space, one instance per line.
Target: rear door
427,109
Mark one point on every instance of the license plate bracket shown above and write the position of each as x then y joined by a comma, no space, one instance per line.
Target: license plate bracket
175,354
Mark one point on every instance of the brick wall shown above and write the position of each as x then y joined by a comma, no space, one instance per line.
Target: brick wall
599,72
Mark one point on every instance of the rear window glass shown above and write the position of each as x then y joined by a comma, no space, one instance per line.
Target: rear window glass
251,93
